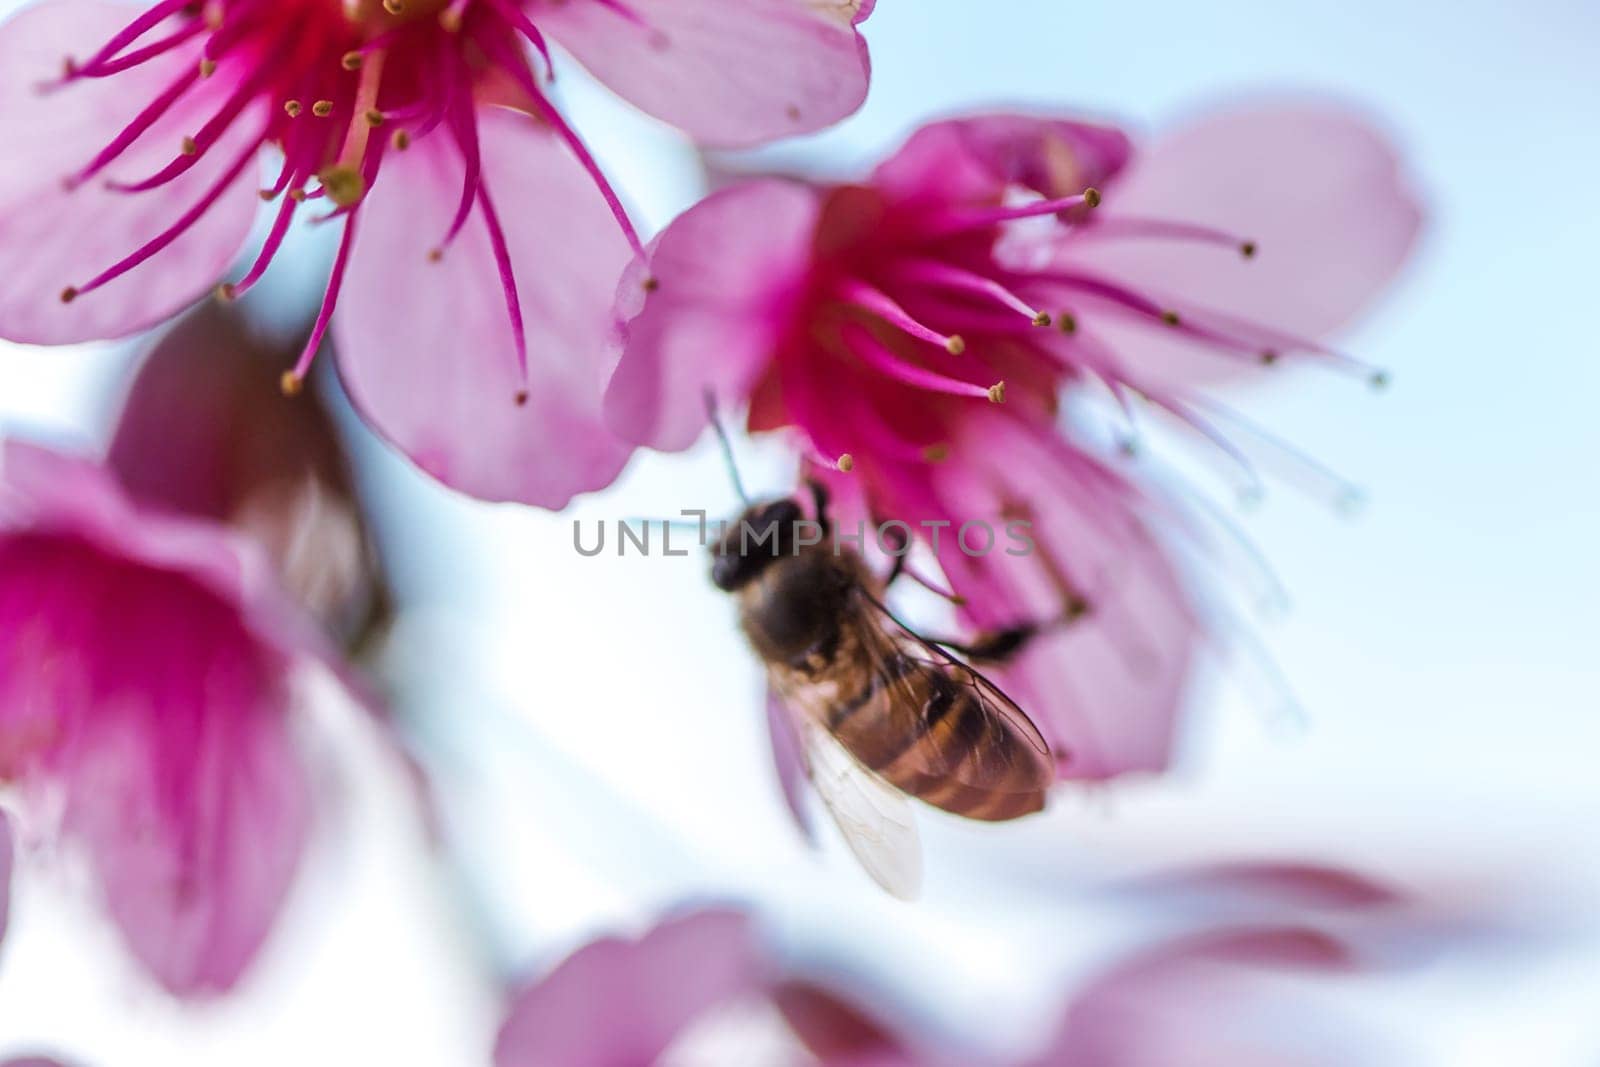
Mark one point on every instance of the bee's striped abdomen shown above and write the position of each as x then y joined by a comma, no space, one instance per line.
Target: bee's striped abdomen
929,736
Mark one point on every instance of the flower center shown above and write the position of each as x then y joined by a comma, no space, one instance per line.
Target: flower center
345,82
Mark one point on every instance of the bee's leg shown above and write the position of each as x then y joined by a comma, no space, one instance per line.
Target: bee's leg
1007,643
819,501
899,547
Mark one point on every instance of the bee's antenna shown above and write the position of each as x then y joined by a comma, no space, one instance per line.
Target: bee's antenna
727,446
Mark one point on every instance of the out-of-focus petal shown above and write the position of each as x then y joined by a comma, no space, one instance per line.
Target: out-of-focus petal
205,432
836,1030
725,275
52,237
1106,689
1281,884
1209,1001
977,158
168,731
617,1003
727,73
32,1061
66,494
435,372
1316,186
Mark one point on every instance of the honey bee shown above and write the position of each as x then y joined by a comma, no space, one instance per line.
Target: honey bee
882,712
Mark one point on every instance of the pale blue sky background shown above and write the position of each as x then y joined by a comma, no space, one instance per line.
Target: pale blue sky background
1443,644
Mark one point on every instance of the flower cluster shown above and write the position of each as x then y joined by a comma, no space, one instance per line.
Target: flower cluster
959,338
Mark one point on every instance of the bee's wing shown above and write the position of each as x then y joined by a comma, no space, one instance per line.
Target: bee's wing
875,818
1001,751
789,760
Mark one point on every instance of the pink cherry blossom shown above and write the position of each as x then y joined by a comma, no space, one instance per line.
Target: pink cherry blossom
926,335
160,616
479,240
148,698
1213,995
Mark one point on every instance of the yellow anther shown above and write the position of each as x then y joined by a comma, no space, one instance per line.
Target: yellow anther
344,185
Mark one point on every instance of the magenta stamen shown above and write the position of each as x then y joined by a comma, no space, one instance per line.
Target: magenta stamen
329,298
173,232
465,132
134,30
269,248
983,218
141,55
861,344
945,276
1103,364
524,25
141,122
878,303
208,136
508,279
524,77
1124,226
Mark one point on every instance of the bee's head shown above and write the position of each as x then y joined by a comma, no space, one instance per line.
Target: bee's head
765,532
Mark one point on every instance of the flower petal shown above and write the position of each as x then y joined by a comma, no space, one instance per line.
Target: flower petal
979,157
43,489
426,348
204,431
166,724
725,272
1107,688
52,237
1318,189
617,1003
728,74
1213,999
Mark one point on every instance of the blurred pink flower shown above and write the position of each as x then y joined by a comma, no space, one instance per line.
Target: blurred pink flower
159,614
919,332
1218,995
619,1003
202,433
462,341
1215,998
146,695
